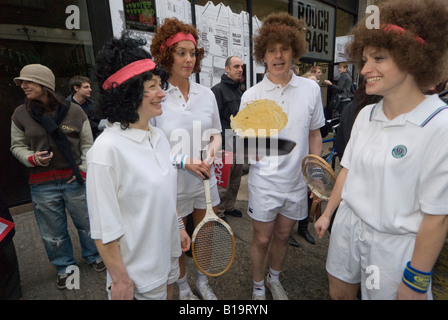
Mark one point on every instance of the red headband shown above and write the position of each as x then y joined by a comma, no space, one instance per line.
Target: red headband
392,27
180,36
127,72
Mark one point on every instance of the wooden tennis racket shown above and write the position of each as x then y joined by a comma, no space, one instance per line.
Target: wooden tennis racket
320,179
213,242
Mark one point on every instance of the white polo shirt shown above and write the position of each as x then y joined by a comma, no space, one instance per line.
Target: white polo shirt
188,126
398,169
301,100
131,196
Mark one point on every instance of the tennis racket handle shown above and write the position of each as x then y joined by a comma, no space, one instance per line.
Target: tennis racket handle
203,155
208,198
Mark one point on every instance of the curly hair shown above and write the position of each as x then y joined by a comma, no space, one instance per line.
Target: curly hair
423,21
281,27
164,55
120,103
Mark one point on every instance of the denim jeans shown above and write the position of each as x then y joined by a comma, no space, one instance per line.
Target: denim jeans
51,201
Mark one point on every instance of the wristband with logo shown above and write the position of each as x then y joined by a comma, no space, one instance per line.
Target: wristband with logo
416,280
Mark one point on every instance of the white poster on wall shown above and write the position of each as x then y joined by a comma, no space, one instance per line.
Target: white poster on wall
339,53
259,69
222,32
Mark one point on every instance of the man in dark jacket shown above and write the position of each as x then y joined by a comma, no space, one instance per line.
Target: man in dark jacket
80,94
344,88
228,96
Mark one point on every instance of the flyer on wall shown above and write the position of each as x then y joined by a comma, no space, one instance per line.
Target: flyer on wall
5,227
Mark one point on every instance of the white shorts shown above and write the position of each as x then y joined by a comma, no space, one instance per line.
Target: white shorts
360,254
159,293
265,204
187,206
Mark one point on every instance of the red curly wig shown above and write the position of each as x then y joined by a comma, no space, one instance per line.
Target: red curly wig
163,54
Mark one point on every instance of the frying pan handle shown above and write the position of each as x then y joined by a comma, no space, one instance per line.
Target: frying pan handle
203,154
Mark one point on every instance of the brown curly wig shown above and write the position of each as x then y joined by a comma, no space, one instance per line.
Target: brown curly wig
281,27
163,54
423,20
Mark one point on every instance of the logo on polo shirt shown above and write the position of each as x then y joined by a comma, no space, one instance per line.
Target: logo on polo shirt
399,151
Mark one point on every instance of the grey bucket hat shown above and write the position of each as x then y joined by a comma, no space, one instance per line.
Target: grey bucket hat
37,73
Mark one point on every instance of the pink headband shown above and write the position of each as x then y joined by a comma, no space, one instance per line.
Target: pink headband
180,36
392,27
127,72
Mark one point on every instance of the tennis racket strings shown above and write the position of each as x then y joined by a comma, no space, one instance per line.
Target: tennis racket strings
319,177
213,242
214,248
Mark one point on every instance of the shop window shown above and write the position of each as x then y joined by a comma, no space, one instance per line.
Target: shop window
35,31
351,5
261,8
344,22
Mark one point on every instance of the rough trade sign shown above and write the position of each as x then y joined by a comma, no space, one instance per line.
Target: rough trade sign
319,19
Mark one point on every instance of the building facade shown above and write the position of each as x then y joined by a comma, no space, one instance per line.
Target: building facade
65,35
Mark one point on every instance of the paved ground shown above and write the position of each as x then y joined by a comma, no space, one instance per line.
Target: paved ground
304,275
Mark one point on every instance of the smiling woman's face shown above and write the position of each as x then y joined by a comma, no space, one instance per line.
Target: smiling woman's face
32,90
381,72
152,98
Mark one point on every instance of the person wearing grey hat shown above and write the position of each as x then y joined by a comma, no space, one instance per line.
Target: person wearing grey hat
51,137
37,73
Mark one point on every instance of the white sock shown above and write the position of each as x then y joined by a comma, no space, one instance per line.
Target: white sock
202,279
274,275
183,284
259,288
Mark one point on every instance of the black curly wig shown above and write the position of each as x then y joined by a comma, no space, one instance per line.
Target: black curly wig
120,103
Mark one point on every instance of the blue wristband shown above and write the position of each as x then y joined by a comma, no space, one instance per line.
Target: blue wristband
180,223
179,160
416,280
182,162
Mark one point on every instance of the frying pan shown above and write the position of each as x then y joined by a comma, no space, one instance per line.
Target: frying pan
262,146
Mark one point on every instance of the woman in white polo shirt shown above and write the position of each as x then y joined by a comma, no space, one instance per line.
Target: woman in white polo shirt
277,190
131,183
393,188
190,121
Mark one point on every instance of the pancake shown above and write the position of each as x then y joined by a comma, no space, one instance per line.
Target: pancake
259,118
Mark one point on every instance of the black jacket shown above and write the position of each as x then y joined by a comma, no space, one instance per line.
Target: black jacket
89,108
228,96
344,86
345,128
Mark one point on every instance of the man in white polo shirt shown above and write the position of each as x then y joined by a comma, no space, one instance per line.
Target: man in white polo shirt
277,190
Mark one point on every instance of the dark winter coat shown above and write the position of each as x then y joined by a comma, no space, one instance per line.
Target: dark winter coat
228,96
